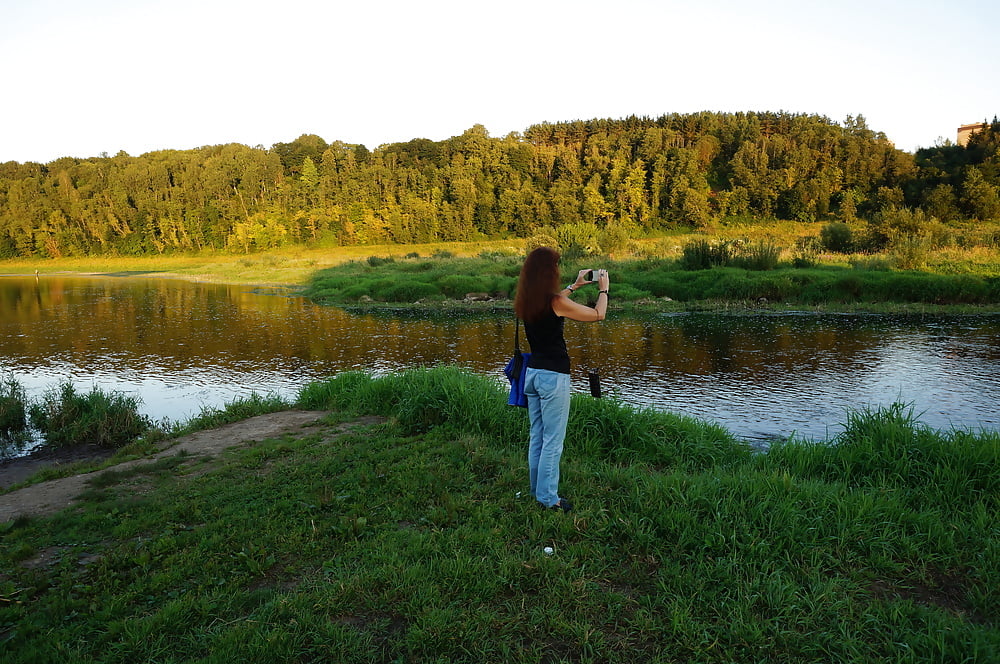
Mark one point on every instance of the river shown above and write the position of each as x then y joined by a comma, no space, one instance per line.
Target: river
182,346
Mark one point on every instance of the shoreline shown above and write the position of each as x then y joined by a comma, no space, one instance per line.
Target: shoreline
636,307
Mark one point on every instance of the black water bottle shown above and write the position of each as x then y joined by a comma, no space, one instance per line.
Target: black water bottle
595,384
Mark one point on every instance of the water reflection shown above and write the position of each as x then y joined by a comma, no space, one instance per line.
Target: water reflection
181,346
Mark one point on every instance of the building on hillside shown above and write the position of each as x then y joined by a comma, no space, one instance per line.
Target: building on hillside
966,131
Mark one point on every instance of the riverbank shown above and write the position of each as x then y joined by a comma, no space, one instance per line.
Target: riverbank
650,279
412,538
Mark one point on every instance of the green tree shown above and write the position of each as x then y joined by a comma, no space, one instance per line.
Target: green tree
294,154
979,197
941,202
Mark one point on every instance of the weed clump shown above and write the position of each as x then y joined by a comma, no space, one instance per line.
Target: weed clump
99,418
703,255
13,413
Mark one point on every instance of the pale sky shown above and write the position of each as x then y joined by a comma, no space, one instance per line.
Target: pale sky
82,77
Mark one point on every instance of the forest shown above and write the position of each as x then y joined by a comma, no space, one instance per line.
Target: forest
622,178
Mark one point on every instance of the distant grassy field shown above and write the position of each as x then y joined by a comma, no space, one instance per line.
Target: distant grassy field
414,540
291,266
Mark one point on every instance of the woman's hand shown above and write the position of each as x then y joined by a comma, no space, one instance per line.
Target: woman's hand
603,281
581,279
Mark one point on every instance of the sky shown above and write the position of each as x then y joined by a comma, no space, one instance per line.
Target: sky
86,77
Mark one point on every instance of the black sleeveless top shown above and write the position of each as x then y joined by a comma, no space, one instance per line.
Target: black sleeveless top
548,347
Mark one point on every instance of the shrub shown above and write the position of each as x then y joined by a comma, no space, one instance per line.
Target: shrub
99,418
376,261
910,253
805,251
540,240
615,237
896,224
578,240
837,237
702,255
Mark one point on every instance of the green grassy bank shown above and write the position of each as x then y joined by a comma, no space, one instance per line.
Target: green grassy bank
412,540
655,283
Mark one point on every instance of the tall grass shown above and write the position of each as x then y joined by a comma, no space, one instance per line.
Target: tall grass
414,540
236,410
13,410
423,399
888,447
702,254
105,419
13,415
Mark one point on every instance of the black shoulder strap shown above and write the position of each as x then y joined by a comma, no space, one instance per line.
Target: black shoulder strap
517,335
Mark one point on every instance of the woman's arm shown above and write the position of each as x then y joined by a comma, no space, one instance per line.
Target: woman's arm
563,306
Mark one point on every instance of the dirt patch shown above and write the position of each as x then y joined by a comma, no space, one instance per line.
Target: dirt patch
50,497
15,471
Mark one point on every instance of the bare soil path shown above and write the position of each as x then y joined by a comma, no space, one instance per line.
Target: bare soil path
52,496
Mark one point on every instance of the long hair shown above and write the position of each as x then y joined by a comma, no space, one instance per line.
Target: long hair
538,283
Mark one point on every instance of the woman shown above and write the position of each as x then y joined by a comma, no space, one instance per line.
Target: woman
544,308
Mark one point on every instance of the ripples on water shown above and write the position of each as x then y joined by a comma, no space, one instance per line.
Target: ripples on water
182,347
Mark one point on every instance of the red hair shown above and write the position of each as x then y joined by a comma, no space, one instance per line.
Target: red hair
538,283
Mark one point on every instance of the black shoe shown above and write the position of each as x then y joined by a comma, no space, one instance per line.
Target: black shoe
563,505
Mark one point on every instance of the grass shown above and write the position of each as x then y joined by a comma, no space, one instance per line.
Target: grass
657,283
290,266
13,415
105,419
413,540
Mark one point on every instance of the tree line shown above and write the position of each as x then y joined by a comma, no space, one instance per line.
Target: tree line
631,176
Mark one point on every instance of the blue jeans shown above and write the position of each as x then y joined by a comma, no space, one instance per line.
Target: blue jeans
548,410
